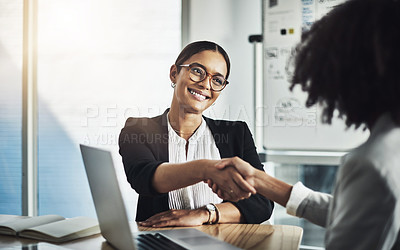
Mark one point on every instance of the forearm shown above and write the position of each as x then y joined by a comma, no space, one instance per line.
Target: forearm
229,213
172,176
193,217
272,188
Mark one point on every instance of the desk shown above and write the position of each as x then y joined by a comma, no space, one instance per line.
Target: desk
247,236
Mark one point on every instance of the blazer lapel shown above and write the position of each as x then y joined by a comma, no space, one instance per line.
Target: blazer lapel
161,136
221,136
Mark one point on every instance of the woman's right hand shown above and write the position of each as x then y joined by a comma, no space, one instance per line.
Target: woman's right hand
245,179
228,182
266,185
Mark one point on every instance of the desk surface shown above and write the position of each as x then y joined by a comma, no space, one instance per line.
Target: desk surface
247,236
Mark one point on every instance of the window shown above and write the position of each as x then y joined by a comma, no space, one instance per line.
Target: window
96,67
96,64
317,177
11,13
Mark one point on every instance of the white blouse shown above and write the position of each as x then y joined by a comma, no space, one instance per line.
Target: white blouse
201,145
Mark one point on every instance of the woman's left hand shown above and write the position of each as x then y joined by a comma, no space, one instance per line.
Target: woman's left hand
181,217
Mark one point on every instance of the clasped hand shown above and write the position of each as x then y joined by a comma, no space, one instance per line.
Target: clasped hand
233,179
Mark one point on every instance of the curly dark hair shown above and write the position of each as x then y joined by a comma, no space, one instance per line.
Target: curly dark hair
350,61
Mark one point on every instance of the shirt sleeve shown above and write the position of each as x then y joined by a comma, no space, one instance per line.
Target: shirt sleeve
298,194
308,204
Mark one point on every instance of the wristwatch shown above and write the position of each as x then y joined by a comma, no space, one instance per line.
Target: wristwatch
212,210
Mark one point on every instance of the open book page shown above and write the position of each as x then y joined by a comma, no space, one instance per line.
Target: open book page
9,217
12,227
64,230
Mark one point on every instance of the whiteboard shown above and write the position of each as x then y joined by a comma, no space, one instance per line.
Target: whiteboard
288,124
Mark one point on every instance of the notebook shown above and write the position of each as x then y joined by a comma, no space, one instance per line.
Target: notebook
113,219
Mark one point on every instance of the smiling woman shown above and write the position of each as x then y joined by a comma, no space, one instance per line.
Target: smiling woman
169,172
193,97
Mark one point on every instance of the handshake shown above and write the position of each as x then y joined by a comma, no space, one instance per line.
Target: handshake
232,178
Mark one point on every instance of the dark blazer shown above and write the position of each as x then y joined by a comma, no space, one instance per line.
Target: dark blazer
143,144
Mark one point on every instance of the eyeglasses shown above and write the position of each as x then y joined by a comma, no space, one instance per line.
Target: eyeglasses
198,73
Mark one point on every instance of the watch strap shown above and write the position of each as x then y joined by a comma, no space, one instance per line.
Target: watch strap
209,216
217,213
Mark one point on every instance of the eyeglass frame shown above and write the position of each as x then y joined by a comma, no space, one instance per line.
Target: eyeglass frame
226,82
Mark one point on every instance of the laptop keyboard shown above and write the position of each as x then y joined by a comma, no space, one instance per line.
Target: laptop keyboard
156,241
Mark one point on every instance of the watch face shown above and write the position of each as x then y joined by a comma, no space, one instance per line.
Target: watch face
210,207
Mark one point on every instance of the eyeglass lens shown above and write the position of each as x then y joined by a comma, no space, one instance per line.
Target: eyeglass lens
198,74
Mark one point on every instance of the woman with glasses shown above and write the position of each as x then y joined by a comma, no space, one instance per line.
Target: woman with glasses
168,158
349,63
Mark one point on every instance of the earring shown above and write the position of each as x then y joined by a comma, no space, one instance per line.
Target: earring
173,85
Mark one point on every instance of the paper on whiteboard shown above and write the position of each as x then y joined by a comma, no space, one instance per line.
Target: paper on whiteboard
288,123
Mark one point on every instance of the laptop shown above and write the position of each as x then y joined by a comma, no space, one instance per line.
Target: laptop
113,219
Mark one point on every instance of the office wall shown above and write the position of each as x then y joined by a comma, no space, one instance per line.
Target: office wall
228,23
